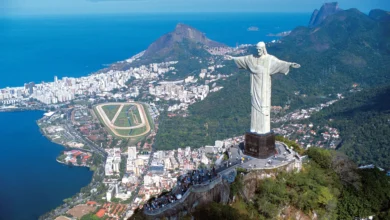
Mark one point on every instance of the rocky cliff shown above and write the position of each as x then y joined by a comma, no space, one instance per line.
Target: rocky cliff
251,180
215,192
319,15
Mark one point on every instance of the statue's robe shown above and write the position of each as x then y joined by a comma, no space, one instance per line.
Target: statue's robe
261,69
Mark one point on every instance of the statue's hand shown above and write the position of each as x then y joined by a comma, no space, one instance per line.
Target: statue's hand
295,65
228,57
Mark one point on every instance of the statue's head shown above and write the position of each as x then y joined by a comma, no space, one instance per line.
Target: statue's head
261,50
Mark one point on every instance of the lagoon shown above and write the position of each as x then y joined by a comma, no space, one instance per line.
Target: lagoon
32,182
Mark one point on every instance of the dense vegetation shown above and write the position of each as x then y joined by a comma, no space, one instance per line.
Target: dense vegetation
329,186
348,47
364,123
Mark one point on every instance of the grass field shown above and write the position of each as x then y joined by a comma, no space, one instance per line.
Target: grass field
123,132
110,110
149,118
129,116
132,132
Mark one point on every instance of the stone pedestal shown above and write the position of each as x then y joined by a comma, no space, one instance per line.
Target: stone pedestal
260,146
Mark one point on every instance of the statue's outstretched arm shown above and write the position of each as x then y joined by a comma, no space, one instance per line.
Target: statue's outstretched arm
228,57
295,65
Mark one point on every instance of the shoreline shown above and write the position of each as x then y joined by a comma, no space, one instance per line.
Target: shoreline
48,214
19,109
73,165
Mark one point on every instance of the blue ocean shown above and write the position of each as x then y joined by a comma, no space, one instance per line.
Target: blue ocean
37,48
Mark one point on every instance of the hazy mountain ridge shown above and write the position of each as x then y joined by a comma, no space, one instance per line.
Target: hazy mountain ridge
379,15
319,16
347,47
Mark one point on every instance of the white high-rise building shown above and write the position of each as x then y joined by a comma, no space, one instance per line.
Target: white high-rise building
116,164
132,153
110,193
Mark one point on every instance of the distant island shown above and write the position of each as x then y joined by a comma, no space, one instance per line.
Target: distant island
252,28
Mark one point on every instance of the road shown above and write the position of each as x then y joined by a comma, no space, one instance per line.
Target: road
82,139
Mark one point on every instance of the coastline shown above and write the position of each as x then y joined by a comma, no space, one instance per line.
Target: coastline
19,109
48,214
28,149
73,165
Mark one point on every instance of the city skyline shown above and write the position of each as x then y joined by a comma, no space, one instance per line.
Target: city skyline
49,7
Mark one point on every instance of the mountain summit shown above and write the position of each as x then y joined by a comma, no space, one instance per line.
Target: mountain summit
184,40
319,15
379,15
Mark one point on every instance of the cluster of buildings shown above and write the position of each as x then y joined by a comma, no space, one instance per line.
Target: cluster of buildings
166,166
306,134
113,162
302,113
136,163
67,88
228,50
188,91
180,93
76,157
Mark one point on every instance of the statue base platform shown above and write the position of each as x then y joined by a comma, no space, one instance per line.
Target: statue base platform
260,146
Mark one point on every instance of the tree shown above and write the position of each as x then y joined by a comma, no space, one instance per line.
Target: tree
218,211
321,156
79,160
90,217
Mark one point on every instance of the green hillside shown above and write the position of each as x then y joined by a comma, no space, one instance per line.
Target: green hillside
364,123
348,47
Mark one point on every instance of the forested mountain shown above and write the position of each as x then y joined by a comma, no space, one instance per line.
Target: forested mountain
380,15
165,48
364,123
327,9
347,47
185,44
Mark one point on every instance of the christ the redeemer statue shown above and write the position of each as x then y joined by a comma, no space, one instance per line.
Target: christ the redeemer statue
261,67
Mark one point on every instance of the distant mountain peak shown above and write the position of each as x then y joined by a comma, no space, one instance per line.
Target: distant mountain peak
327,9
163,47
379,15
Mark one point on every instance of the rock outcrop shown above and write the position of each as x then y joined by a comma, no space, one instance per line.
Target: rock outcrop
379,15
251,180
217,191
320,15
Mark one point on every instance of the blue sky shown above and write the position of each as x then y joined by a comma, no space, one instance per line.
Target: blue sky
155,6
